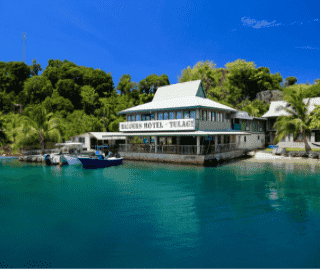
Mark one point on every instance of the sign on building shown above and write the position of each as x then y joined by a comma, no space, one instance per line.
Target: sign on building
178,124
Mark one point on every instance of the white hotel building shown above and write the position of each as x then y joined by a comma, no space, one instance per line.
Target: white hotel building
182,125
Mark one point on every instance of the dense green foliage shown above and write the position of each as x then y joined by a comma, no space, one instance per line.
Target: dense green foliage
67,100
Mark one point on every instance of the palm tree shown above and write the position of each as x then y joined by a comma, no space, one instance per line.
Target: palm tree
298,122
13,124
43,124
251,110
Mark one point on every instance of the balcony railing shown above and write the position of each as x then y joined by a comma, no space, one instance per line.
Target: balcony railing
177,149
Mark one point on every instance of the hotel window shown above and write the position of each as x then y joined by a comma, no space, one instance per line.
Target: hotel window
245,139
160,116
143,117
193,114
147,117
81,140
179,115
138,117
223,117
201,114
204,116
209,116
132,118
213,119
258,137
171,115
129,118
165,116
186,115
152,116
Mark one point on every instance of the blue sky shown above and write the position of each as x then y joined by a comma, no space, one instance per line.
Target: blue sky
164,37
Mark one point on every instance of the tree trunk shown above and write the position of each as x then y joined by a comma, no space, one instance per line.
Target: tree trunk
306,145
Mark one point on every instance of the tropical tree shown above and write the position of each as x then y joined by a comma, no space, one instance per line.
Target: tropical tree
35,68
151,83
16,73
43,124
36,89
290,81
124,84
13,124
299,122
90,99
251,110
205,71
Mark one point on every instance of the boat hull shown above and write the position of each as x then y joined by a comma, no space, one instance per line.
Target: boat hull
72,160
93,163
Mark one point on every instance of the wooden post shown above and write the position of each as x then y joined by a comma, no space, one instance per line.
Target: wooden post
198,145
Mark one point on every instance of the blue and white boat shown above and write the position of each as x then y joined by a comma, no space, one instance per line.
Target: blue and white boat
99,161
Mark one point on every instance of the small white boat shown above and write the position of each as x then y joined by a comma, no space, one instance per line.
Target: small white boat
67,154
55,159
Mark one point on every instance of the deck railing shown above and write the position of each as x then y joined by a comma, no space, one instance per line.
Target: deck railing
177,149
39,151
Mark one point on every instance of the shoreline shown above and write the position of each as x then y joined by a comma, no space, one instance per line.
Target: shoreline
261,156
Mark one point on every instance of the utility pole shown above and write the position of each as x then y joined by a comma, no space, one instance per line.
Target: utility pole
24,47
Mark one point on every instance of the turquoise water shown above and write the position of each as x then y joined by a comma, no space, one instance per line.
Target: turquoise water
150,215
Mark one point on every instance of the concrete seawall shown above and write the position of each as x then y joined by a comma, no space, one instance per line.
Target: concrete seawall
183,159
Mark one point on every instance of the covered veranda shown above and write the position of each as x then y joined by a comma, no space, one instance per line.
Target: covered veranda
183,143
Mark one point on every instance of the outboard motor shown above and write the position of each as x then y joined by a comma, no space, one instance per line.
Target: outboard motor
47,159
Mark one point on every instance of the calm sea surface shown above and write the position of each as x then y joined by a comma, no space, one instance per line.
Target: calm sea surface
150,215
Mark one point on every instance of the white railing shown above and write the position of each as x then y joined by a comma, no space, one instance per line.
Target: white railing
39,151
178,149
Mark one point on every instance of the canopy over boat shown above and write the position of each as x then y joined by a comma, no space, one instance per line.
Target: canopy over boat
69,144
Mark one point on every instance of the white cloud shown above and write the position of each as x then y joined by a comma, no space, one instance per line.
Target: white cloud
248,22
308,48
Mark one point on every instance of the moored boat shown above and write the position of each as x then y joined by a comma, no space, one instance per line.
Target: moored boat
55,159
99,161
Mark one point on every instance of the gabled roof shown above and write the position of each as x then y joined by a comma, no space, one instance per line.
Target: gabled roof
178,90
178,103
276,107
178,96
245,115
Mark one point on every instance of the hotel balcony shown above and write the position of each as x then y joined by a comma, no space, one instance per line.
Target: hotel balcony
178,149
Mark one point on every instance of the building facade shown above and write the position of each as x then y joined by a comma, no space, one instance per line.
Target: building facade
277,109
182,125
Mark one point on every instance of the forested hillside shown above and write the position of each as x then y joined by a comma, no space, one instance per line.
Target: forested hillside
66,99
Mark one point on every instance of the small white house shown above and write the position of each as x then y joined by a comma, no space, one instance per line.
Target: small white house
277,109
93,139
